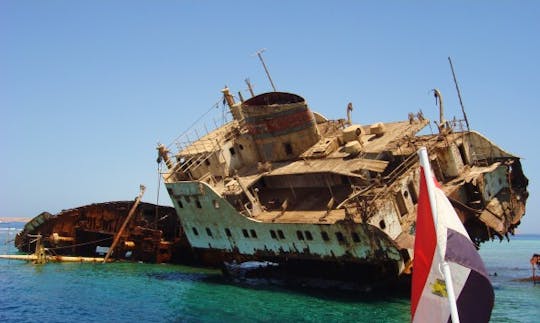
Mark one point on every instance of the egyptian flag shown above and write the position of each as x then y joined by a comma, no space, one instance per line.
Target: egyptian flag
472,288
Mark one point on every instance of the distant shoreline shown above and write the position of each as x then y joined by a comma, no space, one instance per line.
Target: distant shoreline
14,219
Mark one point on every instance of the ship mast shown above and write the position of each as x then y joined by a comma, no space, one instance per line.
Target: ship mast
459,94
259,54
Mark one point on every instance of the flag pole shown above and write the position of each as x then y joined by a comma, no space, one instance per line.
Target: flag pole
424,162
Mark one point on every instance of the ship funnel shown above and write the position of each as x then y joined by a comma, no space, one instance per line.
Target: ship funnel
281,124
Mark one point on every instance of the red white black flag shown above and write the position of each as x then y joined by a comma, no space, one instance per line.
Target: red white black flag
441,240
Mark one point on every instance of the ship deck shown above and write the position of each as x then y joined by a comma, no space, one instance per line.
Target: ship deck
315,216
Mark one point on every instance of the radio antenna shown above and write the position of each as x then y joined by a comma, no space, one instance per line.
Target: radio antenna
459,94
259,53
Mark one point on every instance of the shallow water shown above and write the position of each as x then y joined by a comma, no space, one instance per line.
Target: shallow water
127,292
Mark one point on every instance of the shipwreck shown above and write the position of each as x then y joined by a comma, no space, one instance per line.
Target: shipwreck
143,231
327,198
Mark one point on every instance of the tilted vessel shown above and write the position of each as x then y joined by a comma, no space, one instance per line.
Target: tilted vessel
330,198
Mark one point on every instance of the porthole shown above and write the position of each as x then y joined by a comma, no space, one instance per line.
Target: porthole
245,233
198,203
382,225
195,232
180,205
228,232
340,237
273,234
209,232
299,235
253,233
355,237
280,234
308,235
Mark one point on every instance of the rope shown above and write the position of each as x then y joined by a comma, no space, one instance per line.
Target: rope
216,105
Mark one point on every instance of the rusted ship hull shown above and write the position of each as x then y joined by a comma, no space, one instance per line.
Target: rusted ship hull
154,234
354,251
328,198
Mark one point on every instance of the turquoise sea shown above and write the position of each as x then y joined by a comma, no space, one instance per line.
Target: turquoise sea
136,292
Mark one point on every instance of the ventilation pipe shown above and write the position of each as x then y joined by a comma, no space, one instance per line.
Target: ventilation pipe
442,121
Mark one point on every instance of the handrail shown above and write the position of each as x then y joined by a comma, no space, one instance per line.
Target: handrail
197,148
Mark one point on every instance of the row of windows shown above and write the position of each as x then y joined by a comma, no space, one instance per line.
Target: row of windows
279,235
197,202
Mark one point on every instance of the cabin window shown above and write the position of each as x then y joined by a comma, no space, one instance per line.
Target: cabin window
180,205
245,233
195,232
401,204
216,204
324,236
288,148
280,234
273,234
308,235
340,237
462,153
355,237
414,196
209,232
232,151
198,203
228,232
253,233
382,225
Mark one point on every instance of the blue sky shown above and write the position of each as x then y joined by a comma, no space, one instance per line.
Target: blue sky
87,89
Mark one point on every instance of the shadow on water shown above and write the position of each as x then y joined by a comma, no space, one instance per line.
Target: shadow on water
324,290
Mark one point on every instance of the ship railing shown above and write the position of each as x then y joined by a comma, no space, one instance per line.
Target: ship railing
215,117
193,154
458,125
202,149
391,177
402,168
195,145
